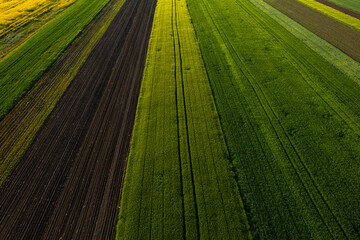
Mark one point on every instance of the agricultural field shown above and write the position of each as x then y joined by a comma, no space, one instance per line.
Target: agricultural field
330,53
15,14
19,19
33,57
353,5
342,8
179,119
333,13
19,127
331,30
68,151
179,182
288,122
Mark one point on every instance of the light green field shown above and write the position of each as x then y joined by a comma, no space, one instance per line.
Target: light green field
22,68
179,182
290,120
331,12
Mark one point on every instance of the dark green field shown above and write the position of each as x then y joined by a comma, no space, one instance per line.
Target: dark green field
291,122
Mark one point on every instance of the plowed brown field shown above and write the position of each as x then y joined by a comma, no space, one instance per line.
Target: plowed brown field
68,184
344,37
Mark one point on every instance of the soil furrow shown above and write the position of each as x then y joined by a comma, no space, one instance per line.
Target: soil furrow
68,183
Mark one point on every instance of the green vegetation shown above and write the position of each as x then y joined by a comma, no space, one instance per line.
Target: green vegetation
333,55
349,4
22,68
37,104
291,122
179,182
331,12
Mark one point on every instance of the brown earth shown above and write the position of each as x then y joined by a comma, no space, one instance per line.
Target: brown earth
343,37
19,127
340,8
68,184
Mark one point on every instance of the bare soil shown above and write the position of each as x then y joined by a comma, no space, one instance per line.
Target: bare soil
342,36
68,184
19,127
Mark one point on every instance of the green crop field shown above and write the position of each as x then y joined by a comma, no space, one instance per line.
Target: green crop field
21,69
179,182
353,5
247,123
333,55
290,120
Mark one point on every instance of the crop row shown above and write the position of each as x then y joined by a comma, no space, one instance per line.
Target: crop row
20,126
179,183
332,54
290,120
340,35
22,68
15,14
20,19
246,126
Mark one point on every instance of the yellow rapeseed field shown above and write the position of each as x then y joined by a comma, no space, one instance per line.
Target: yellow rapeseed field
16,13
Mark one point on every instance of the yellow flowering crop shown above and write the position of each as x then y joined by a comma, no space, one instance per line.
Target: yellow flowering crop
17,13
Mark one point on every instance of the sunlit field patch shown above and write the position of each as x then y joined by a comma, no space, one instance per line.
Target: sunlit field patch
17,13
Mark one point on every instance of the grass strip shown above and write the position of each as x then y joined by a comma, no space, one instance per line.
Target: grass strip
23,67
333,13
291,122
19,127
179,182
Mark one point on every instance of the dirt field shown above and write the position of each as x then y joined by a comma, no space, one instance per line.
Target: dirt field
68,184
19,127
339,8
338,34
